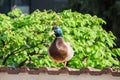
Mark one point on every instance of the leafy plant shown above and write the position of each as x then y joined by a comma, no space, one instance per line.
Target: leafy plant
93,7
25,38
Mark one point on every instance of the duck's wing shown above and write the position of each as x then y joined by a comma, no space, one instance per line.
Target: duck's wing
65,48
70,51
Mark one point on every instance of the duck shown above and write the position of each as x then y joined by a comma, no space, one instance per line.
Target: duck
59,50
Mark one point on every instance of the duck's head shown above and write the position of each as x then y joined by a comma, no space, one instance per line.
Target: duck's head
57,31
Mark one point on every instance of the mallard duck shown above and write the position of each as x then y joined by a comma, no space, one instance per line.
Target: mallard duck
59,50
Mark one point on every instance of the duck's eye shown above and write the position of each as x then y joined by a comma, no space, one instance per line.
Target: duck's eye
56,27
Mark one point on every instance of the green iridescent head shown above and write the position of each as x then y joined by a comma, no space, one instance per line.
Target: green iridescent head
57,31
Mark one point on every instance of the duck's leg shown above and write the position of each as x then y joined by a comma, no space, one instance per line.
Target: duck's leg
55,63
65,63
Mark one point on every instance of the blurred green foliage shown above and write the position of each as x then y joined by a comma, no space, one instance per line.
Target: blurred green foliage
25,38
109,10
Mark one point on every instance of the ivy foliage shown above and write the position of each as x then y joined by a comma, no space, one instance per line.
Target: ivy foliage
25,38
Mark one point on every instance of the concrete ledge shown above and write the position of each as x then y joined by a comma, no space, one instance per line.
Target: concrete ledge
44,73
